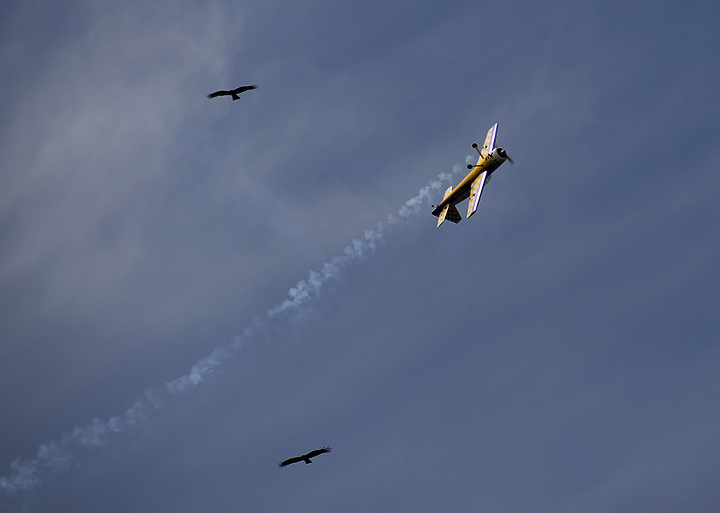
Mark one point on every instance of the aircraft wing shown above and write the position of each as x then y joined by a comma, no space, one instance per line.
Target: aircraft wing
476,190
489,145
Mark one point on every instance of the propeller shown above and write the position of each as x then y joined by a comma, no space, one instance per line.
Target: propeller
504,155
502,152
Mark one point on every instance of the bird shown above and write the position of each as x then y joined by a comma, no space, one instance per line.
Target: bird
304,457
235,93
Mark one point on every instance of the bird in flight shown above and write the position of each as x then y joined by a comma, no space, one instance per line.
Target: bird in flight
304,457
235,93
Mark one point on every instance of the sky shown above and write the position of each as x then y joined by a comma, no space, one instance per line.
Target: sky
194,290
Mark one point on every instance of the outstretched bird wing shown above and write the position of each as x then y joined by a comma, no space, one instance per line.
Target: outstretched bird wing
290,461
242,89
317,452
219,93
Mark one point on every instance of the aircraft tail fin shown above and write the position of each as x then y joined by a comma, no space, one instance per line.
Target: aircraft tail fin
449,213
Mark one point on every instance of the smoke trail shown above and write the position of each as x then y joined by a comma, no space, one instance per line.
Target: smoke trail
57,455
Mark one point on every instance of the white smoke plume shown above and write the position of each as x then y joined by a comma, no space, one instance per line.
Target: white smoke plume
58,455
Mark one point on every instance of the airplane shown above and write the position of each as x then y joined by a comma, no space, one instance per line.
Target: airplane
472,185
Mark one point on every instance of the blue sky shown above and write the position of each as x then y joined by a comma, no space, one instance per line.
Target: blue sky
556,352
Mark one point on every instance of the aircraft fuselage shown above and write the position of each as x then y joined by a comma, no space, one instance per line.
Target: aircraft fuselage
462,191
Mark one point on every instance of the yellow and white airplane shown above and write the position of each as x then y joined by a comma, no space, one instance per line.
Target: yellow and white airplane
472,185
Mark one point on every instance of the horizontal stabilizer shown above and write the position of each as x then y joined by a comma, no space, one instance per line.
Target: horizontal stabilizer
438,209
